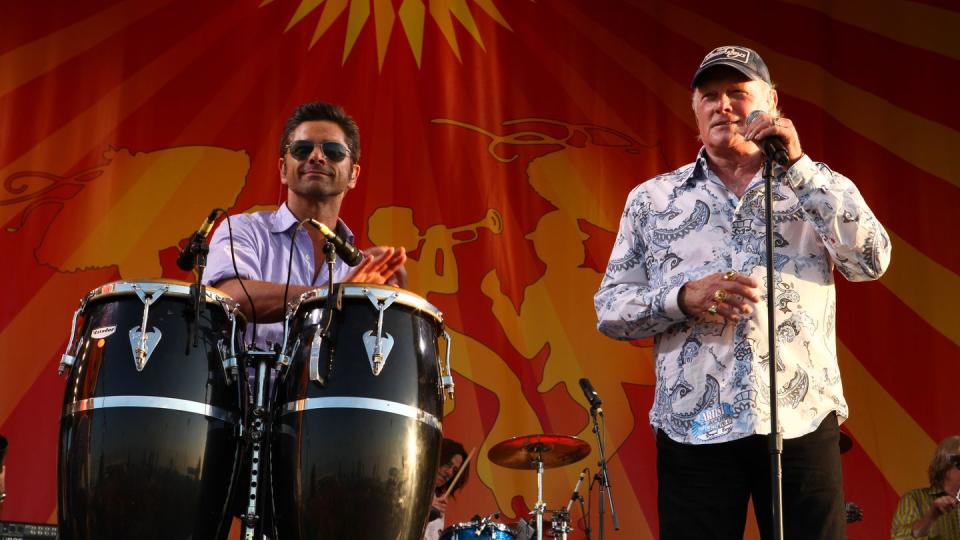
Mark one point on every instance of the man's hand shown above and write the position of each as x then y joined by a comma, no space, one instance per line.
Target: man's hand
942,505
767,126
381,264
730,295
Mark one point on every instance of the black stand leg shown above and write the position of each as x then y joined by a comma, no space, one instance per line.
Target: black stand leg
606,491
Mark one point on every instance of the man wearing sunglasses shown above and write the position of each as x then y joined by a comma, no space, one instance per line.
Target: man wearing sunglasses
319,164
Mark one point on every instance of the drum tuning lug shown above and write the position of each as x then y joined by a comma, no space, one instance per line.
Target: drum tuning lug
66,360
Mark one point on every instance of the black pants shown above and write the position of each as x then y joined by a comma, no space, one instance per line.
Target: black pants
703,490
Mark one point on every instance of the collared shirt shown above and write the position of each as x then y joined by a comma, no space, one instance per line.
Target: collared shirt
262,246
913,505
712,374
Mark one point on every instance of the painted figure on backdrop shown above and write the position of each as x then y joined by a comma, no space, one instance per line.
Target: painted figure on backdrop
931,512
319,157
435,271
554,305
688,269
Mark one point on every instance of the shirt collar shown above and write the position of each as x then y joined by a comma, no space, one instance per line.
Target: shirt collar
698,170
283,220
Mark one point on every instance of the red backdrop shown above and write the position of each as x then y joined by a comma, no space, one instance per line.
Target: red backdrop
500,140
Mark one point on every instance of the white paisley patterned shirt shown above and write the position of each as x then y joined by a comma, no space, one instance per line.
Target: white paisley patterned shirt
712,374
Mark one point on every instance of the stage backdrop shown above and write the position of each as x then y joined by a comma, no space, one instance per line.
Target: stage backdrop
500,139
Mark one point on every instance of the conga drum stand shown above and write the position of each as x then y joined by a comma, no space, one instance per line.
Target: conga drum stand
257,434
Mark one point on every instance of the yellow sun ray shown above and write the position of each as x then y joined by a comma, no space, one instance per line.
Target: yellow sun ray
383,18
411,15
359,13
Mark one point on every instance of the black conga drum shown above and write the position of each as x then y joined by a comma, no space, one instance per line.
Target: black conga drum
150,431
357,432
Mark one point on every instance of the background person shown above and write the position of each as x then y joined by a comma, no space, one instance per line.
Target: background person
931,512
452,458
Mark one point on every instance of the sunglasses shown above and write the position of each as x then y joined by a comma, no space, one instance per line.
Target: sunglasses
332,150
954,460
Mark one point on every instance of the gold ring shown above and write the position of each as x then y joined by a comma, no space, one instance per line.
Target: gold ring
720,295
727,276
712,309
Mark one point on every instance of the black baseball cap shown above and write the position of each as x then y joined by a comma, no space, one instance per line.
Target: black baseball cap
742,59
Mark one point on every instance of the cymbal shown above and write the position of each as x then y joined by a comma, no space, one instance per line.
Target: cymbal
524,452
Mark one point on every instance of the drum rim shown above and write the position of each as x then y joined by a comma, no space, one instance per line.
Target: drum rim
359,290
172,286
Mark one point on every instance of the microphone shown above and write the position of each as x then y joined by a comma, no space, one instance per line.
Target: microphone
349,253
576,489
591,394
773,146
188,257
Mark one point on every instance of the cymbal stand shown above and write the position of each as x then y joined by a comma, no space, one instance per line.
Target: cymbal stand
539,507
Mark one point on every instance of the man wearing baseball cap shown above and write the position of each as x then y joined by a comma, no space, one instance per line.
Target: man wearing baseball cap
688,269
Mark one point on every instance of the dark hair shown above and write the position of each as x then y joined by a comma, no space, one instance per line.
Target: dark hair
319,110
448,449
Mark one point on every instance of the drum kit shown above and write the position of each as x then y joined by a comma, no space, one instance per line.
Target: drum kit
164,435
530,452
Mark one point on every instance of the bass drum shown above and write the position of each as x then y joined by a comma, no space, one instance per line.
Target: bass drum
149,436
356,440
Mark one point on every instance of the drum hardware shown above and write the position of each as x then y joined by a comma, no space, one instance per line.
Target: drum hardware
486,522
446,374
257,434
231,370
538,452
378,348
560,523
142,341
67,359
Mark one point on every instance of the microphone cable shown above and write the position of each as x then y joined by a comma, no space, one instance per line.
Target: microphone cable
236,274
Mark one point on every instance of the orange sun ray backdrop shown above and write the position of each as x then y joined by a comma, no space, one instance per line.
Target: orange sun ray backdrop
500,140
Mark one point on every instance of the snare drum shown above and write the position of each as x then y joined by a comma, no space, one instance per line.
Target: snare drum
149,435
469,531
357,434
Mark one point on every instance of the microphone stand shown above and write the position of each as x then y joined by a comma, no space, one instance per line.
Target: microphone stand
775,438
199,247
585,516
602,477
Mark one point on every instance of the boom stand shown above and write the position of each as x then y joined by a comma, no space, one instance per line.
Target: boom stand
775,439
602,477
